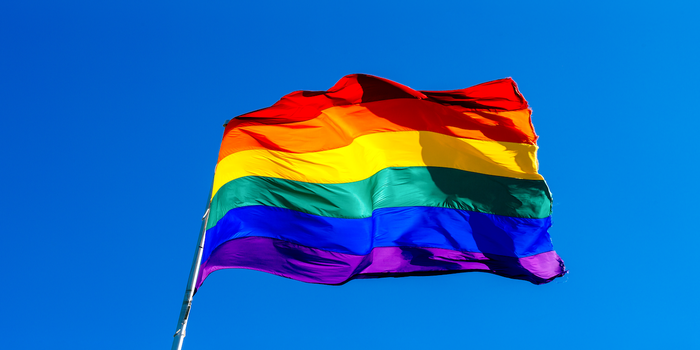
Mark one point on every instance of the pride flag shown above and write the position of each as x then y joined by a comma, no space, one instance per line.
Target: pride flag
372,179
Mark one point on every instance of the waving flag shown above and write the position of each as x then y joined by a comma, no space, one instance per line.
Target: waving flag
372,179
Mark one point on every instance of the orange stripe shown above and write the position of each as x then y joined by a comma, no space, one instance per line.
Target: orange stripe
338,126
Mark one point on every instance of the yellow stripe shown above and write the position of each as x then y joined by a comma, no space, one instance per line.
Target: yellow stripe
368,154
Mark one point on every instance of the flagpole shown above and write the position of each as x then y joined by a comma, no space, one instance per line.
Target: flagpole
192,280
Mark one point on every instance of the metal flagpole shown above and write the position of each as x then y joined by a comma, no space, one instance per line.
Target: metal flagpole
189,291
192,280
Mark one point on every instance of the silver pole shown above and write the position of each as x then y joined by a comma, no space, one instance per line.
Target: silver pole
194,272
189,291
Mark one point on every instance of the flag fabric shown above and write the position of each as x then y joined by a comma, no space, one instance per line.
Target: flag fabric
372,178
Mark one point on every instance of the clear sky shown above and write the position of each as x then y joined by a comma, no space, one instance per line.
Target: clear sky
111,121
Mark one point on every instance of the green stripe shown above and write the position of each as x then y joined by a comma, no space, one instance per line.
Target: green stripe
391,187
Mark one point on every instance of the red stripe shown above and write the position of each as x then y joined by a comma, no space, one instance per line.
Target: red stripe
301,122
497,95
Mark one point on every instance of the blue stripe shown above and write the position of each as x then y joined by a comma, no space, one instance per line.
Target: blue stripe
388,227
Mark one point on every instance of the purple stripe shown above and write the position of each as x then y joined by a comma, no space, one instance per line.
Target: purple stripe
321,266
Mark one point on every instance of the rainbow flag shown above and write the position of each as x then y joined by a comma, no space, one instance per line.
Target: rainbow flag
372,179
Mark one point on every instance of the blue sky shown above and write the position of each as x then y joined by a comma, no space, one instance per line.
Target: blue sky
111,121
